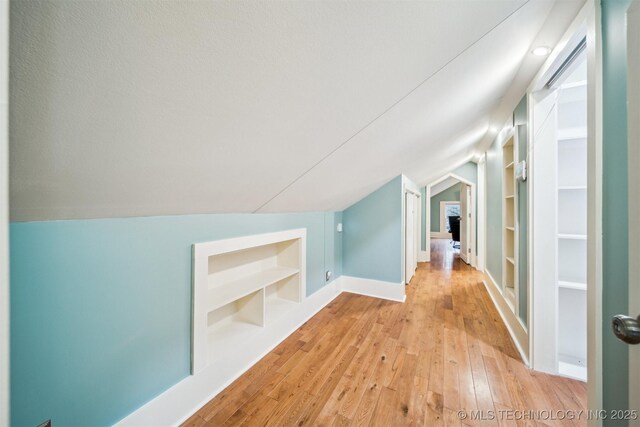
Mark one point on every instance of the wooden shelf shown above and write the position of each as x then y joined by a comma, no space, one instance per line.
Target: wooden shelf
511,228
572,236
510,165
572,285
223,293
511,196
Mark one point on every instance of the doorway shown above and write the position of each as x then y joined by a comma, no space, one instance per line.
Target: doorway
444,198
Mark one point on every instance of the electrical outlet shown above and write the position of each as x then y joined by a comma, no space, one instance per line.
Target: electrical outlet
328,275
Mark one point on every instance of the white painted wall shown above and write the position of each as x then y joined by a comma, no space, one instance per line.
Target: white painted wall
4,213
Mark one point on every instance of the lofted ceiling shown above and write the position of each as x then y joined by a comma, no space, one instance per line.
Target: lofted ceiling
131,108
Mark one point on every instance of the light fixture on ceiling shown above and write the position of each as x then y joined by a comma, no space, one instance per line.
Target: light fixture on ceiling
541,51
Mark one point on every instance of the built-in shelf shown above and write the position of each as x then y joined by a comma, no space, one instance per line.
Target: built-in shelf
221,293
240,287
572,133
572,236
572,285
572,188
509,220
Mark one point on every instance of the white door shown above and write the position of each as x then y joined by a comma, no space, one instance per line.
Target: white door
410,236
633,98
465,222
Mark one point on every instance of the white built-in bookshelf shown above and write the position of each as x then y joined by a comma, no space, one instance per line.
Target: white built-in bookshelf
509,212
572,227
241,286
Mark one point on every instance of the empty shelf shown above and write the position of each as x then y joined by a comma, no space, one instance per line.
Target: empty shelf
572,133
572,285
572,187
572,236
223,293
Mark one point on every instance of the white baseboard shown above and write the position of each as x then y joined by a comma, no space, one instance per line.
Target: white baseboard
179,402
373,288
515,327
422,256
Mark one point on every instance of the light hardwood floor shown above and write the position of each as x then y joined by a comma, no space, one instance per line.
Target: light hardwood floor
365,361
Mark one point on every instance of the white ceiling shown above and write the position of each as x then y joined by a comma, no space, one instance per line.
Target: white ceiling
126,108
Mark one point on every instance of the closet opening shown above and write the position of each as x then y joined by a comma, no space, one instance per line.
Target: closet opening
558,163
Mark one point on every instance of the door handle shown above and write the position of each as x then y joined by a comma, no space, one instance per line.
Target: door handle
626,329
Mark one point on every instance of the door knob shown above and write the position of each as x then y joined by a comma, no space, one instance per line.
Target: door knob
626,328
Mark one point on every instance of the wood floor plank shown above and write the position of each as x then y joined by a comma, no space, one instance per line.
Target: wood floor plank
369,362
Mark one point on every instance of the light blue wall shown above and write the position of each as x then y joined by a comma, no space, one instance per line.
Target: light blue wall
494,211
101,309
615,240
468,171
450,194
372,240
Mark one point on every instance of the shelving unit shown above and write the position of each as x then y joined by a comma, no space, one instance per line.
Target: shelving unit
240,286
572,226
509,215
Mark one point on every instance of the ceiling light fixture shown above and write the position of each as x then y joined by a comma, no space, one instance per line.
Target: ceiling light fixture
541,51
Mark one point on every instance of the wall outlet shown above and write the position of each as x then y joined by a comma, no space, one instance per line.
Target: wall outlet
339,227
328,275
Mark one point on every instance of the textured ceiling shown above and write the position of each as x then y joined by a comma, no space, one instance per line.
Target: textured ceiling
127,108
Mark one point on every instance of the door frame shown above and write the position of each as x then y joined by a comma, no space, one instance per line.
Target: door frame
427,228
591,15
4,214
442,233
633,138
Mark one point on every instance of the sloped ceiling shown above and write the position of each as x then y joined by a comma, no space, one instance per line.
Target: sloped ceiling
130,108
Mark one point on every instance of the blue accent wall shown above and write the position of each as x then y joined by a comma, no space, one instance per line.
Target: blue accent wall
449,195
615,240
372,241
101,309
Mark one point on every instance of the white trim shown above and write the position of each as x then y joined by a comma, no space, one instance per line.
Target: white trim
594,207
482,214
179,402
427,223
4,214
514,325
633,95
422,256
373,288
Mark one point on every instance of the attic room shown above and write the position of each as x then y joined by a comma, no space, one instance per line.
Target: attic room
326,212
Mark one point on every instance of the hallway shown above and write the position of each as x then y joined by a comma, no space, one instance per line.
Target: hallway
366,361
